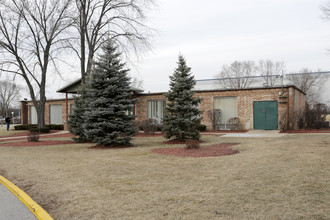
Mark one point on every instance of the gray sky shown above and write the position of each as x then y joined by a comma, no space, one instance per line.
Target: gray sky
214,33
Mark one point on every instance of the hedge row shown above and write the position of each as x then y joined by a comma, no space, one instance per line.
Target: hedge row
34,126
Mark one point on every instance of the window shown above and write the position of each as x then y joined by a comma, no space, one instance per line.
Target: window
33,115
131,111
156,109
55,114
228,107
72,106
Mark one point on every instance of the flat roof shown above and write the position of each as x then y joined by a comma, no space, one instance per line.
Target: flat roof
224,90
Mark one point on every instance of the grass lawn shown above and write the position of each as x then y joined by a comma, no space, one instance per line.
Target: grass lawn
4,132
271,178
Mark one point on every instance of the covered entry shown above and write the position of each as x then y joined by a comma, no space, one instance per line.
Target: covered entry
265,115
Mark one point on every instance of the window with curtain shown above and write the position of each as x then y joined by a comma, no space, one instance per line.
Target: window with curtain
55,114
33,115
156,109
228,106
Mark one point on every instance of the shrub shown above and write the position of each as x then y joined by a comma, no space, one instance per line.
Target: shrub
33,136
34,126
202,127
25,126
192,144
316,116
298,120
39,130
234,124
149,126
215,117
284,122
55,127
136,125
159,127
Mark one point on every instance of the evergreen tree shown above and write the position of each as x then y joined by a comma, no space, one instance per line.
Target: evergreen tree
76,119
107,121
182,116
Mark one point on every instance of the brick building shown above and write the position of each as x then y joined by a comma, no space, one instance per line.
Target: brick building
257,108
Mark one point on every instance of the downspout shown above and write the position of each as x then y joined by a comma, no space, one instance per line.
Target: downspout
66,106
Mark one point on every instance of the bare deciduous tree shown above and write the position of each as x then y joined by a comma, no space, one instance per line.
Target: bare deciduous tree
100,20
31,33
325,8
237,75
270,71
215,117
9,92
310,83
137,83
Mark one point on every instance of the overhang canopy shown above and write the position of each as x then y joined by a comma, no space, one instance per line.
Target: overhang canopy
75,86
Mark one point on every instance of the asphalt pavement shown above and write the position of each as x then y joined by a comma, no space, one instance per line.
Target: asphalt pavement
11,208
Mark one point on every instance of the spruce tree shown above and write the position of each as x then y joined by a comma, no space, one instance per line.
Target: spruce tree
76,119
107,121
182,116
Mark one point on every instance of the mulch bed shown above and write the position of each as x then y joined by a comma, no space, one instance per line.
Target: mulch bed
176,141
69,135
210,151
35,144
323,130
159,134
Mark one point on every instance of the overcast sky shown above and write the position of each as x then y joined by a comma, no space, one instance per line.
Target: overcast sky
214,33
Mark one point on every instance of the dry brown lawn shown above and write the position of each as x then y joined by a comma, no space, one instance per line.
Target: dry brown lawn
271,178
4,132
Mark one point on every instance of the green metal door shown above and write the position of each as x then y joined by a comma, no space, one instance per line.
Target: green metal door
265,115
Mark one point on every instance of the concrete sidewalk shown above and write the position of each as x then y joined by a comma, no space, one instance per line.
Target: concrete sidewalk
257,134
41,135
11,208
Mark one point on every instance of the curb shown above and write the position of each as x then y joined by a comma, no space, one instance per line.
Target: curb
36,209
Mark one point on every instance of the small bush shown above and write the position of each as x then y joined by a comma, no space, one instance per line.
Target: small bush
215,117
159,127
192,144
33,136
149,126
136,125
234,124
201,127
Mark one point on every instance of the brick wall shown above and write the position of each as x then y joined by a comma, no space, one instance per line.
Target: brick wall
47,109
24,112
290,101
141,106
245,98
298,104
